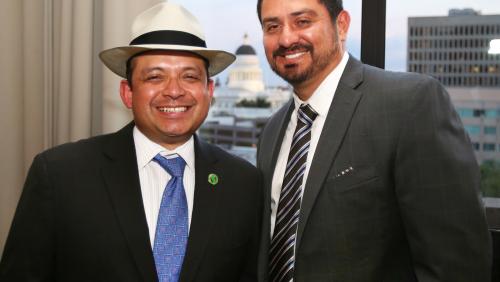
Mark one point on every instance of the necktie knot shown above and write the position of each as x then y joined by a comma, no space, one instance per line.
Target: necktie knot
306,114
174,166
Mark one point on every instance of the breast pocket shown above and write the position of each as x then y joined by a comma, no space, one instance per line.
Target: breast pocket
360,198
352,178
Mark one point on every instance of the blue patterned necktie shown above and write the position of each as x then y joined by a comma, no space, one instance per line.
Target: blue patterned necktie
282,249
172,226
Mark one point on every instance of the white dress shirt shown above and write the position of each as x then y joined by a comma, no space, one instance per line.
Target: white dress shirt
154,178
320,101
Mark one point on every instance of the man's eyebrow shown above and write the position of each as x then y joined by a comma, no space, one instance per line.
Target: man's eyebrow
196,68
184,68
270,19
304,11
146,70
293,14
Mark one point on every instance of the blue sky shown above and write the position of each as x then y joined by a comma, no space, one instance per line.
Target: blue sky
226,21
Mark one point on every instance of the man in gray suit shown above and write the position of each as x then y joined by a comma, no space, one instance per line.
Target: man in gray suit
369,174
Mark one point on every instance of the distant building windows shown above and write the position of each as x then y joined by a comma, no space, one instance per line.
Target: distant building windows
491,113
473,129
489,147
465,113
477,113
442,41
490,130
475,146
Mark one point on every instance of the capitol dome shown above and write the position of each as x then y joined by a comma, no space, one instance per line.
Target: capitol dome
245,50
245,82
246,72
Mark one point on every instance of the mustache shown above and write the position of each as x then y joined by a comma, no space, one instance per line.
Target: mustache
282,51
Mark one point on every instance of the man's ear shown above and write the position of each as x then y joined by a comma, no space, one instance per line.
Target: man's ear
126,93
211,87
343,22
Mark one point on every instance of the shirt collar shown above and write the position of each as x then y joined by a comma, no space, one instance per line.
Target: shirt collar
146,150
322,97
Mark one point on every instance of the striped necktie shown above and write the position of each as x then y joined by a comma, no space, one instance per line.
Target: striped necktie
282,249
172,226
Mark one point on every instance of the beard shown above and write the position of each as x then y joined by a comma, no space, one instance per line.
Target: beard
291,73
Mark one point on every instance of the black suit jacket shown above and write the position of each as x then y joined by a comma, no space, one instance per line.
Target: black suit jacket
81,217
406,208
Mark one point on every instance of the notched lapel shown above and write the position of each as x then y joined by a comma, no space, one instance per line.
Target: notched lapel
273,146
122,181
341,111
268,156
206,203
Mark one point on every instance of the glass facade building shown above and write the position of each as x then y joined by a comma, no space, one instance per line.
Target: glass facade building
454,48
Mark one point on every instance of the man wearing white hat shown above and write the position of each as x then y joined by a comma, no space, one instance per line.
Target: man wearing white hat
151,202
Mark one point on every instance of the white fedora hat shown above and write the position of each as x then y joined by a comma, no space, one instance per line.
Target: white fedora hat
166,26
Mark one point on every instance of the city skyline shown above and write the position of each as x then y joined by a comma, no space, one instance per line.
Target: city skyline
226,21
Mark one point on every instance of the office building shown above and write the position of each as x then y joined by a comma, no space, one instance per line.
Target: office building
454,48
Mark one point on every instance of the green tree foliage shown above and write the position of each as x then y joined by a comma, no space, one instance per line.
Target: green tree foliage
259,103
490,179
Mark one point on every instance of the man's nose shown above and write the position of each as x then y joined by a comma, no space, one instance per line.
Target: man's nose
288,37
173,88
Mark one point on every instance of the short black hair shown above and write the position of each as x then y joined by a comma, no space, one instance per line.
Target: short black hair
129,68
334,8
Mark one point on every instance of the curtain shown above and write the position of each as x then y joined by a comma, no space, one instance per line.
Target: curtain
54,89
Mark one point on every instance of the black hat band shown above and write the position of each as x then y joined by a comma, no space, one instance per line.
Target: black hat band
169,37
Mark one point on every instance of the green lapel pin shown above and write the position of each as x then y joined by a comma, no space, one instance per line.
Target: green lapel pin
213,179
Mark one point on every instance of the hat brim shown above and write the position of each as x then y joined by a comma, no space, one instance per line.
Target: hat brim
116,58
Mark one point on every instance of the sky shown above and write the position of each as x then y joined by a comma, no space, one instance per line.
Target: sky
226,21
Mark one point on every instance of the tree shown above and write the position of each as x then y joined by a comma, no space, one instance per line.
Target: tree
258,103
490,179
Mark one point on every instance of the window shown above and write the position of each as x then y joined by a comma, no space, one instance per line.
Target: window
478,113
465,113
475,146
489,147
491,113
473,129
490,130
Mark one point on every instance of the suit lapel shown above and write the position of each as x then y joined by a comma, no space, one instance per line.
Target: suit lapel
267,165
122,182
337,122
206,201
280,125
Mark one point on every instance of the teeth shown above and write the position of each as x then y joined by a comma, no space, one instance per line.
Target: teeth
293,56
172,110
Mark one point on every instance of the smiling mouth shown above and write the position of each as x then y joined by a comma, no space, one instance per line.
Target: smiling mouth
294,56
172,109
293,52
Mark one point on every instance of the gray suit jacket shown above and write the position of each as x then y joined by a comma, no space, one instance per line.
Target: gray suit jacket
410,208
